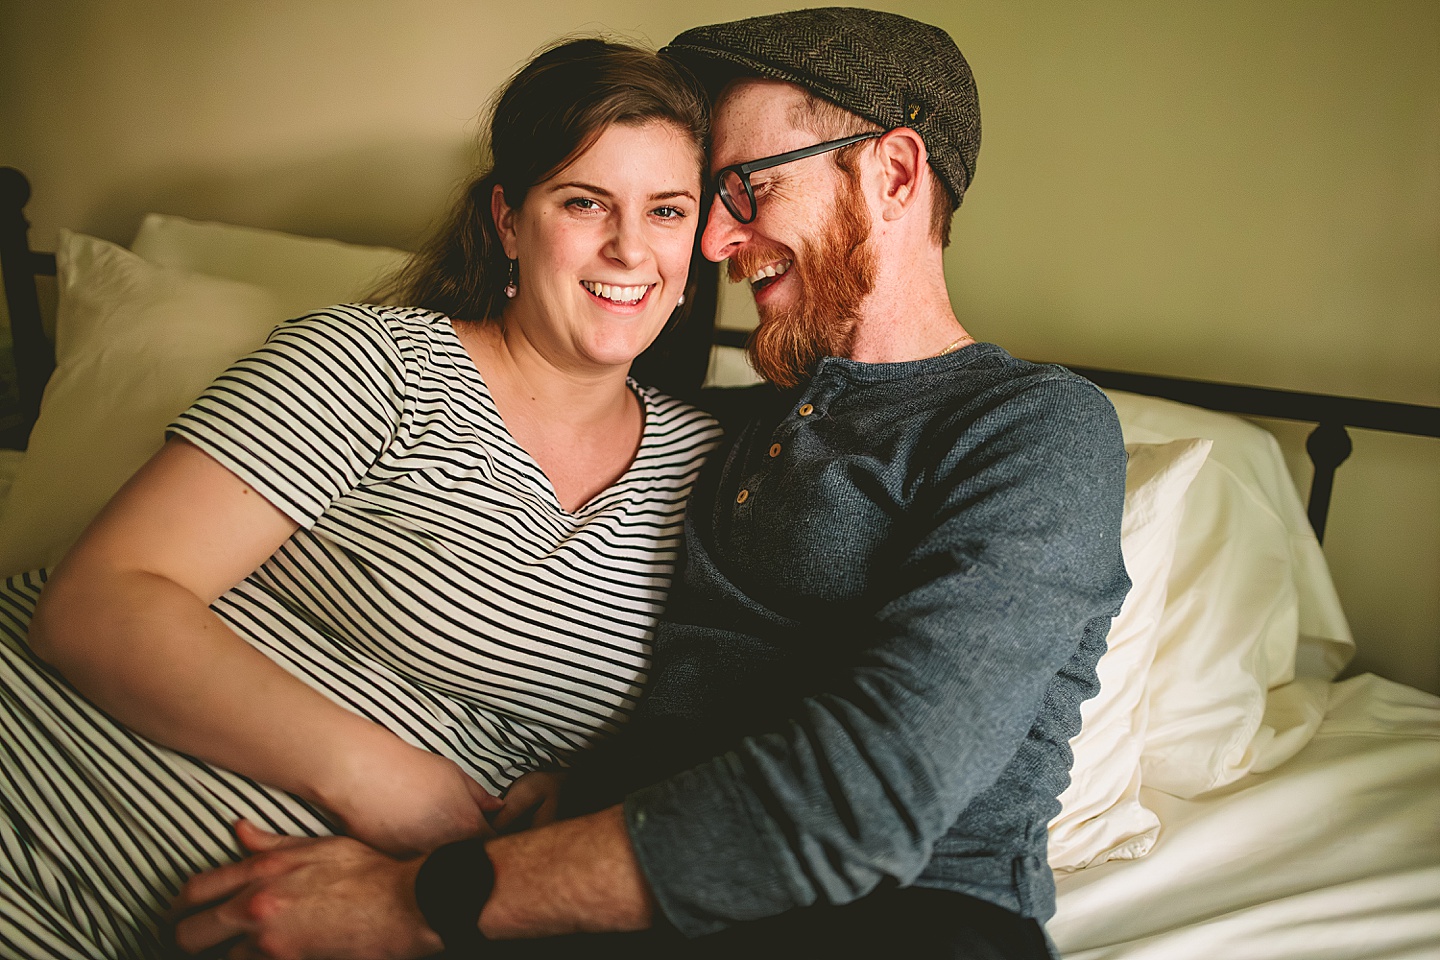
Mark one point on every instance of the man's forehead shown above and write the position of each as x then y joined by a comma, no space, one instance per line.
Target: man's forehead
750,115
746,94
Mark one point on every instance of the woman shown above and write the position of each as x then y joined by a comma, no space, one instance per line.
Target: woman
391,561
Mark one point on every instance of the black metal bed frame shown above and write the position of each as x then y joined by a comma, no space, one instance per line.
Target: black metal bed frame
1328,445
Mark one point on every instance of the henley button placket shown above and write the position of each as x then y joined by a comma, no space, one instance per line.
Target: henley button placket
776,448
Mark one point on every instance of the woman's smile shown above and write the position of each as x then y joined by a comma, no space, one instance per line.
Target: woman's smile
618,223
617,295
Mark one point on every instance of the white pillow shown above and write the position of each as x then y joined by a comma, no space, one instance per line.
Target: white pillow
1247,580
1101,815
10,461
729,367
304,273
136,343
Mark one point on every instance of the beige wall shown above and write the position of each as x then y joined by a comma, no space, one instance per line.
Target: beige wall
1227,189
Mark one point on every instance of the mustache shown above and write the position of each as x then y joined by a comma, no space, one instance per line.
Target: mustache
745,263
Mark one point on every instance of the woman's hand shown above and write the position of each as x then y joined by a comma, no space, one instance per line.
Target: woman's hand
404,800
531,801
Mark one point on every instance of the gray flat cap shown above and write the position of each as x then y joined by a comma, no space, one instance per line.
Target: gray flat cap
889,69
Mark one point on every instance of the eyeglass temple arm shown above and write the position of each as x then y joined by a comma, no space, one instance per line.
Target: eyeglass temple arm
745,169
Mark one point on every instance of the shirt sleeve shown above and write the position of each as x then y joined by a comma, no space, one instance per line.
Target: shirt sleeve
1016,558
304,417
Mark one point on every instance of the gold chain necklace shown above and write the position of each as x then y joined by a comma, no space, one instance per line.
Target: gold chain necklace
960,342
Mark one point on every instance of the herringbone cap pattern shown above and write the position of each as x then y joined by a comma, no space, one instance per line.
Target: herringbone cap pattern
889,69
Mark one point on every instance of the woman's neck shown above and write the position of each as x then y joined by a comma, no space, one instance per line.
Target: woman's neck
581,427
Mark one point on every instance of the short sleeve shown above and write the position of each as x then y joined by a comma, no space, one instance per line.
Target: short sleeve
303,418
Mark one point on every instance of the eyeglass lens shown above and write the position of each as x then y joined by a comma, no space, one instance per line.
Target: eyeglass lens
736,196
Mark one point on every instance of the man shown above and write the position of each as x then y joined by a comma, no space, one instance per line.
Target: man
898,579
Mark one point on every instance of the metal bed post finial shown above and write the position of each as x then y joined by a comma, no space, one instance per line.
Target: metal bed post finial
1329,446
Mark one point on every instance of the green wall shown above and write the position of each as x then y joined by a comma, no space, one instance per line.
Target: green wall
1241,191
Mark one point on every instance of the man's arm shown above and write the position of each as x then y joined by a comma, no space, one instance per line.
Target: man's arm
574,876
1007,555
337,898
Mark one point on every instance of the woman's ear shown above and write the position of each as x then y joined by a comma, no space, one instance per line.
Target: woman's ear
903,163
504,217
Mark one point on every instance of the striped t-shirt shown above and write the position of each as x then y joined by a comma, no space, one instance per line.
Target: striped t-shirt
435,585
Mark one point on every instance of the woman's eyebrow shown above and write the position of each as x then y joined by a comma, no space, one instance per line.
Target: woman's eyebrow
601,191
587,187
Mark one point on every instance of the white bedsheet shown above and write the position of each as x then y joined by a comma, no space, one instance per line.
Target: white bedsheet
1335,855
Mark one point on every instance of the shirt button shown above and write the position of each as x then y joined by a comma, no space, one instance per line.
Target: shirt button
743,496
806,409
774,449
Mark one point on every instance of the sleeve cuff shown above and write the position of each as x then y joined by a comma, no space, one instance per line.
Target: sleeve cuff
703,852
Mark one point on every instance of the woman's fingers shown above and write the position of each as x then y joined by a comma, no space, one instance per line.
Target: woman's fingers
531,801
511,817
547,812
518,805
486,800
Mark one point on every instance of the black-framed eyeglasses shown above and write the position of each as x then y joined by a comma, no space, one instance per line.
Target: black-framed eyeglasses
732,184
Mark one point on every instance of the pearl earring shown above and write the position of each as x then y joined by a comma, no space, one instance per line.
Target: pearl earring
681,301
510,288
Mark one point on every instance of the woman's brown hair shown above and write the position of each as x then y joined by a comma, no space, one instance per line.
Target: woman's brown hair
549,113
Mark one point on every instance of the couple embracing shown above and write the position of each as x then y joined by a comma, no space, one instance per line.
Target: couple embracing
477,645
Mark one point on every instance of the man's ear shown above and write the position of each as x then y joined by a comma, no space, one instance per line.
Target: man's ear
504,217
903,163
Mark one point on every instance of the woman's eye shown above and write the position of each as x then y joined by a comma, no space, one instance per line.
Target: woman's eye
669,213
582,203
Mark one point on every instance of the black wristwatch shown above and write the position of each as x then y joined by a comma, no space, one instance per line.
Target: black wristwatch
451,889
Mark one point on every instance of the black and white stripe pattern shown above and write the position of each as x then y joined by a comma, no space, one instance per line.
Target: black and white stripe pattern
435,585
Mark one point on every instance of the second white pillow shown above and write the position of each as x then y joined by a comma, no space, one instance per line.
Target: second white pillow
303,273
135,345
1101,815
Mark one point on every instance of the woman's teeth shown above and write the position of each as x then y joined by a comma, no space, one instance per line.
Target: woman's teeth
773,270
616,294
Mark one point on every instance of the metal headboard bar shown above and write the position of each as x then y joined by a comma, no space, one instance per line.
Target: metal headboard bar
34,357
1328,445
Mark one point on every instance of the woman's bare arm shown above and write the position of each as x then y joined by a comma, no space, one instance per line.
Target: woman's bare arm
125,617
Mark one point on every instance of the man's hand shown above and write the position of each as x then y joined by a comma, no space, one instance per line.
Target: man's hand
300,898
334,897
532,801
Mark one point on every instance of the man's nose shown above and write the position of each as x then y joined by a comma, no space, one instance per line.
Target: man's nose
723,233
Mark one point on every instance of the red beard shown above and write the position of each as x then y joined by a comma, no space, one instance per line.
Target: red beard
833,274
